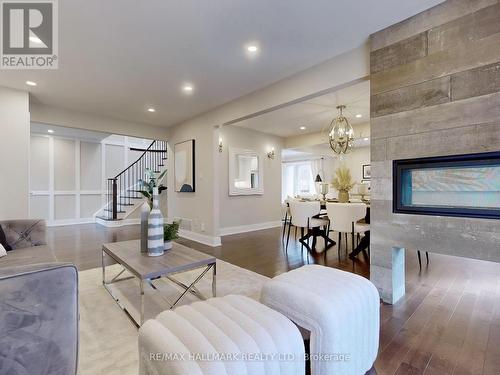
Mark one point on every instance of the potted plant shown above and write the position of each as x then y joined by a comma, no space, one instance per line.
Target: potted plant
148,186
170,232
343,183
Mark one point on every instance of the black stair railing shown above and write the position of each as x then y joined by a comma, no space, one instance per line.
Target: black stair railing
125,187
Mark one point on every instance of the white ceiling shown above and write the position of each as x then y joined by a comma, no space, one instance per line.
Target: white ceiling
117,58
315,114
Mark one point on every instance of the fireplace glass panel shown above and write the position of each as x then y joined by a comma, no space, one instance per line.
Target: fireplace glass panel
455,186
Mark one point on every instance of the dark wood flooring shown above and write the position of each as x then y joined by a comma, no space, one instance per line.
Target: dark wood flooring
448,322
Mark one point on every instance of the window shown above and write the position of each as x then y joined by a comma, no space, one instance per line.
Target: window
297,179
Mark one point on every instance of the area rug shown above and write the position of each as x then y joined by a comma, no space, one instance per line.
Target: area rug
108,338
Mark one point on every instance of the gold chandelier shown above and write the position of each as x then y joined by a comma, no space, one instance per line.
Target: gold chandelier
341,133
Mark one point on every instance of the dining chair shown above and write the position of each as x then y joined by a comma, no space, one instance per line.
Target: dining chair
359,230
420,258
303,217
286,220
343,218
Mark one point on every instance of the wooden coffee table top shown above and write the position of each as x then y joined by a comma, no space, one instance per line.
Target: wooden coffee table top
178,259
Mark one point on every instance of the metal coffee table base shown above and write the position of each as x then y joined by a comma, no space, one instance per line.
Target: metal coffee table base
187,288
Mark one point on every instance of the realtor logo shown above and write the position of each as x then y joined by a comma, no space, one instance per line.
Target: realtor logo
29,37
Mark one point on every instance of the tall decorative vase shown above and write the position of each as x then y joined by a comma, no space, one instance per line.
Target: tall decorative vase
324,189
155,228
343,196
144,227
362,190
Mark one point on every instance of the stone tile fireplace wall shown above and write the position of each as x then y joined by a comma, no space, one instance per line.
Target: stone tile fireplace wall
435,90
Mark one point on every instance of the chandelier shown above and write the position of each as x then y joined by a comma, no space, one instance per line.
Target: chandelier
341,133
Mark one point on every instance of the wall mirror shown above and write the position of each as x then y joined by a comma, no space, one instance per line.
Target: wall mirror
246,173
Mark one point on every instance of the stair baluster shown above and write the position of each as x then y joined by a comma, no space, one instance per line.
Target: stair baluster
124,187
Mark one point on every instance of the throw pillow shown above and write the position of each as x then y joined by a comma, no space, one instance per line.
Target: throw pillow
2,251
3,240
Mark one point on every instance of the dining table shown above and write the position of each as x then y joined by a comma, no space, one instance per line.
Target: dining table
317,232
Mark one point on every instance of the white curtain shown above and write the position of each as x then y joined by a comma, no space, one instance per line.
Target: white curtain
298,179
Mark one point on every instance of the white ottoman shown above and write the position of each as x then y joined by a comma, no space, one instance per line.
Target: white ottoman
341,311
232,335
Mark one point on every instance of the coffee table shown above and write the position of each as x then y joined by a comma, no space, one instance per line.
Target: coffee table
148,269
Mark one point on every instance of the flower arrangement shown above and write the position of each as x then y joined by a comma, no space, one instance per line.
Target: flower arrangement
148,186
343,179
343,183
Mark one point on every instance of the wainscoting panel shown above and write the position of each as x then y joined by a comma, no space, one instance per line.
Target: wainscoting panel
40,206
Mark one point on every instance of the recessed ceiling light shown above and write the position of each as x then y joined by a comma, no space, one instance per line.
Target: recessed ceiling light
151,110
366,139
359,115
50,131
252,48
187,88
35,39
31,83
302,128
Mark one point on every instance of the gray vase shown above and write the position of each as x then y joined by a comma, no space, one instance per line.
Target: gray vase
155,229
144,227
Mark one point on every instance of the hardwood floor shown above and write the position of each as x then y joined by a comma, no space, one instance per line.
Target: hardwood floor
448,322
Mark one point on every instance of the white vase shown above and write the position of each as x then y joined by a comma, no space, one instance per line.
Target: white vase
168,245
155,228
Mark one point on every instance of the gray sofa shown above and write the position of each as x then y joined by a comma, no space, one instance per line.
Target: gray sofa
38,305
27,239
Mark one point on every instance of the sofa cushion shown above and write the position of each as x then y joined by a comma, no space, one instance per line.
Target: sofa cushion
24,233
39,320
28,255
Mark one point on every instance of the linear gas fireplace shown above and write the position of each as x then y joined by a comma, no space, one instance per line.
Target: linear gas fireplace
459,185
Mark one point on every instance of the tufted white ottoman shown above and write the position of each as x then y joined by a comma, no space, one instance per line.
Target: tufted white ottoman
232,335
341,311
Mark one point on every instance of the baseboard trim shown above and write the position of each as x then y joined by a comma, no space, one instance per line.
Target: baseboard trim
249,228
212,241
61,223
117,223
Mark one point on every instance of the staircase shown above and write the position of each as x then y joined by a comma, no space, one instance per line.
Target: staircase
123,191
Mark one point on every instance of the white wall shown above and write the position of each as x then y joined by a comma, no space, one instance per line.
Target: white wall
354,161
241,213
198,210
14,153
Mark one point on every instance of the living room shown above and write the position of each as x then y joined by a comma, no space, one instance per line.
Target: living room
146,210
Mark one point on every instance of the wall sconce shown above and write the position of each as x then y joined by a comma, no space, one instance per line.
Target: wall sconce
220,144
271,154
